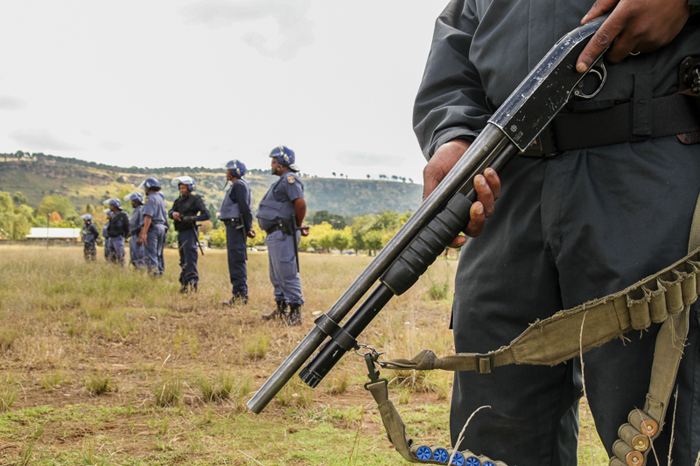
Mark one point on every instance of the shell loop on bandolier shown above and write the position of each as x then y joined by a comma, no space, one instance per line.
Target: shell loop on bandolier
661,299
635,439
638,304
439,455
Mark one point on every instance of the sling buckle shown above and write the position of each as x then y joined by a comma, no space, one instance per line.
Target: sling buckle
484,364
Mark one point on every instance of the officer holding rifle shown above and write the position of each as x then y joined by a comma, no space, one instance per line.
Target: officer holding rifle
604,205
188,209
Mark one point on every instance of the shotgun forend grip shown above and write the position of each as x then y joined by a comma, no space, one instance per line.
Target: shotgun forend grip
430,243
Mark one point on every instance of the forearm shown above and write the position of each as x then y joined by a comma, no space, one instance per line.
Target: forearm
247,218
300,210
146,225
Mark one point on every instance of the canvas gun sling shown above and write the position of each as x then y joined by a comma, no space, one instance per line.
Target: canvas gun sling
664,298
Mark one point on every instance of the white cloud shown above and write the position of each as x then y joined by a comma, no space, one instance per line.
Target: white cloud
41,139
366,159
291,17
11,103
111,146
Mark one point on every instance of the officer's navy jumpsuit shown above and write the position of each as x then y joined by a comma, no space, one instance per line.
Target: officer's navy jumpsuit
236,214
565,230
276,206
192,206
154,207
136,251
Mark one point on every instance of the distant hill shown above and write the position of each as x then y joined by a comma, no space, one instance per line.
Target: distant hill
39,175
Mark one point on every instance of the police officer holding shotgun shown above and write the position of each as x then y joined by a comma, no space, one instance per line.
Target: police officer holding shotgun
607,203
236,214
188,209
281,214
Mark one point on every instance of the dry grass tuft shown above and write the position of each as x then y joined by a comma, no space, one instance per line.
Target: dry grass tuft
169,392
98,383
256,345
439,291
216,389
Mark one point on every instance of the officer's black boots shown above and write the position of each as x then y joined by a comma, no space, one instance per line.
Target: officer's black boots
294,316
279,312
236,300
186,289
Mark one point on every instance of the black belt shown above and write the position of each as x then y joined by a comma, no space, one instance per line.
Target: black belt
677,114
272,229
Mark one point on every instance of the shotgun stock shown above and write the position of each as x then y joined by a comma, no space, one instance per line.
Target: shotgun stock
444,213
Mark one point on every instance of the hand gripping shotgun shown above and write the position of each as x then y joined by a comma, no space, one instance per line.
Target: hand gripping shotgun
444,213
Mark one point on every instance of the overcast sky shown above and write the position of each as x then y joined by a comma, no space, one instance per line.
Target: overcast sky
199,82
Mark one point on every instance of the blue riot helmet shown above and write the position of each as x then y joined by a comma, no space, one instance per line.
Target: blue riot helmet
186,180
150,183
285,157
86,217
138,197
107,211
113,201
237,168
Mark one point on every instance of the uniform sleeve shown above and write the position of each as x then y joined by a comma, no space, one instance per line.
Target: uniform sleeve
148,209
173,209
293,190
451,102
125,223
202,209
239,196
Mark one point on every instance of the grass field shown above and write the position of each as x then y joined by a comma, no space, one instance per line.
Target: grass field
105,366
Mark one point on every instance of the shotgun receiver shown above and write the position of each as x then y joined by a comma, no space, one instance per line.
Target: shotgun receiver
444,213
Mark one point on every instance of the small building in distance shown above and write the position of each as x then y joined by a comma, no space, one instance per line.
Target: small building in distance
56,236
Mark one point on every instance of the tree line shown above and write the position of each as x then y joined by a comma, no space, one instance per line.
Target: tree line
328,231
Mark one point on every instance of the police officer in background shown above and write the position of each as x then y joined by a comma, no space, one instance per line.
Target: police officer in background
188,209
89,235
236,214
281,214
109,252
118,230
153,226
136,251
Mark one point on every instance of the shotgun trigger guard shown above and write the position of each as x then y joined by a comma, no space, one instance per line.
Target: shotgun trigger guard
601,73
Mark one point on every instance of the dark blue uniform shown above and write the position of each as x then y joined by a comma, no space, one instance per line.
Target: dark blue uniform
118,230
236,214
109,252
89,236
136,251
154,207
565,230
277,208
192,209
